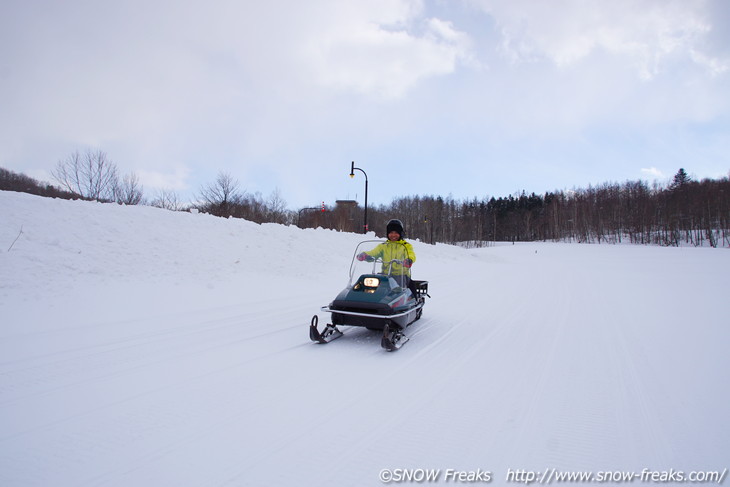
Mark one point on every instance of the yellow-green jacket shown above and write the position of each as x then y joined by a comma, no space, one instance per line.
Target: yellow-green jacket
388,251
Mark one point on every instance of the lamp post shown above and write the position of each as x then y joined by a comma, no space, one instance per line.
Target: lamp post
352,175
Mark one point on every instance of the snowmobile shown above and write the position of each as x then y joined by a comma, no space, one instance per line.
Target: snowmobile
377,297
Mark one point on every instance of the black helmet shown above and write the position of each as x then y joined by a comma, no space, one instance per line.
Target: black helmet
394,225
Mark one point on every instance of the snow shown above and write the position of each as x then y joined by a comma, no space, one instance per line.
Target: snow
145,347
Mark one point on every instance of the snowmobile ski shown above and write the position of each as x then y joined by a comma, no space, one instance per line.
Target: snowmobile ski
329,333
392,340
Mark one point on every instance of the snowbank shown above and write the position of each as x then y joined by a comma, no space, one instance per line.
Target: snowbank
144,347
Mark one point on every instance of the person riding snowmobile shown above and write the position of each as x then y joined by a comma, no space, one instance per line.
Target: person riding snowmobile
394,248
387,302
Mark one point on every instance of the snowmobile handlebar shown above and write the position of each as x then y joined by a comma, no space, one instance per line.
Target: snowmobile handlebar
363,257
389,262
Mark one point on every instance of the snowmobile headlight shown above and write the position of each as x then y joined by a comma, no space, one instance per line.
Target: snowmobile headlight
371,282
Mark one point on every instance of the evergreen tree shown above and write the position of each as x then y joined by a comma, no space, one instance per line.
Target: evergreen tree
681,179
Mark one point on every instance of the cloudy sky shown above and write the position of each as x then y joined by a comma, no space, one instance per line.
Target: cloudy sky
469,98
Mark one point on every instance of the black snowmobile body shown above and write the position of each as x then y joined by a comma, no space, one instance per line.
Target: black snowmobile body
378,299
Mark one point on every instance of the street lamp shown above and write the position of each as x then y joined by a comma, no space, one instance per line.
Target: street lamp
352,175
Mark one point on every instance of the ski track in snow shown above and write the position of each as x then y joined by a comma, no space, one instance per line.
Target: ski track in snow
144,347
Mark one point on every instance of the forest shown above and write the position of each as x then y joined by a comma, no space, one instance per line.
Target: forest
682,212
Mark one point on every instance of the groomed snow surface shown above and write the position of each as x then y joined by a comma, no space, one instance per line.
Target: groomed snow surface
142,347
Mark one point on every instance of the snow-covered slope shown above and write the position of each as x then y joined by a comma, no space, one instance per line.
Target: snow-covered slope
144,347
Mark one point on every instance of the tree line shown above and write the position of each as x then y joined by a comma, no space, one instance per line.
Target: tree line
93,176
683,212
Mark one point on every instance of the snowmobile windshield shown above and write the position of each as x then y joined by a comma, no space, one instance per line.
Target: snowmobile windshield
379,257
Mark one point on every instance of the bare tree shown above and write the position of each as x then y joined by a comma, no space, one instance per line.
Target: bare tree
277,207
220,197
167,199
91,175
129,191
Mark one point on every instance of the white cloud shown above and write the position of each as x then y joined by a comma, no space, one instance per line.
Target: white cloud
652,171
384,54
281,92
716,66
177,179
646,33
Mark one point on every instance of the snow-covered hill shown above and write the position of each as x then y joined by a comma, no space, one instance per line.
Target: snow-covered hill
145,347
